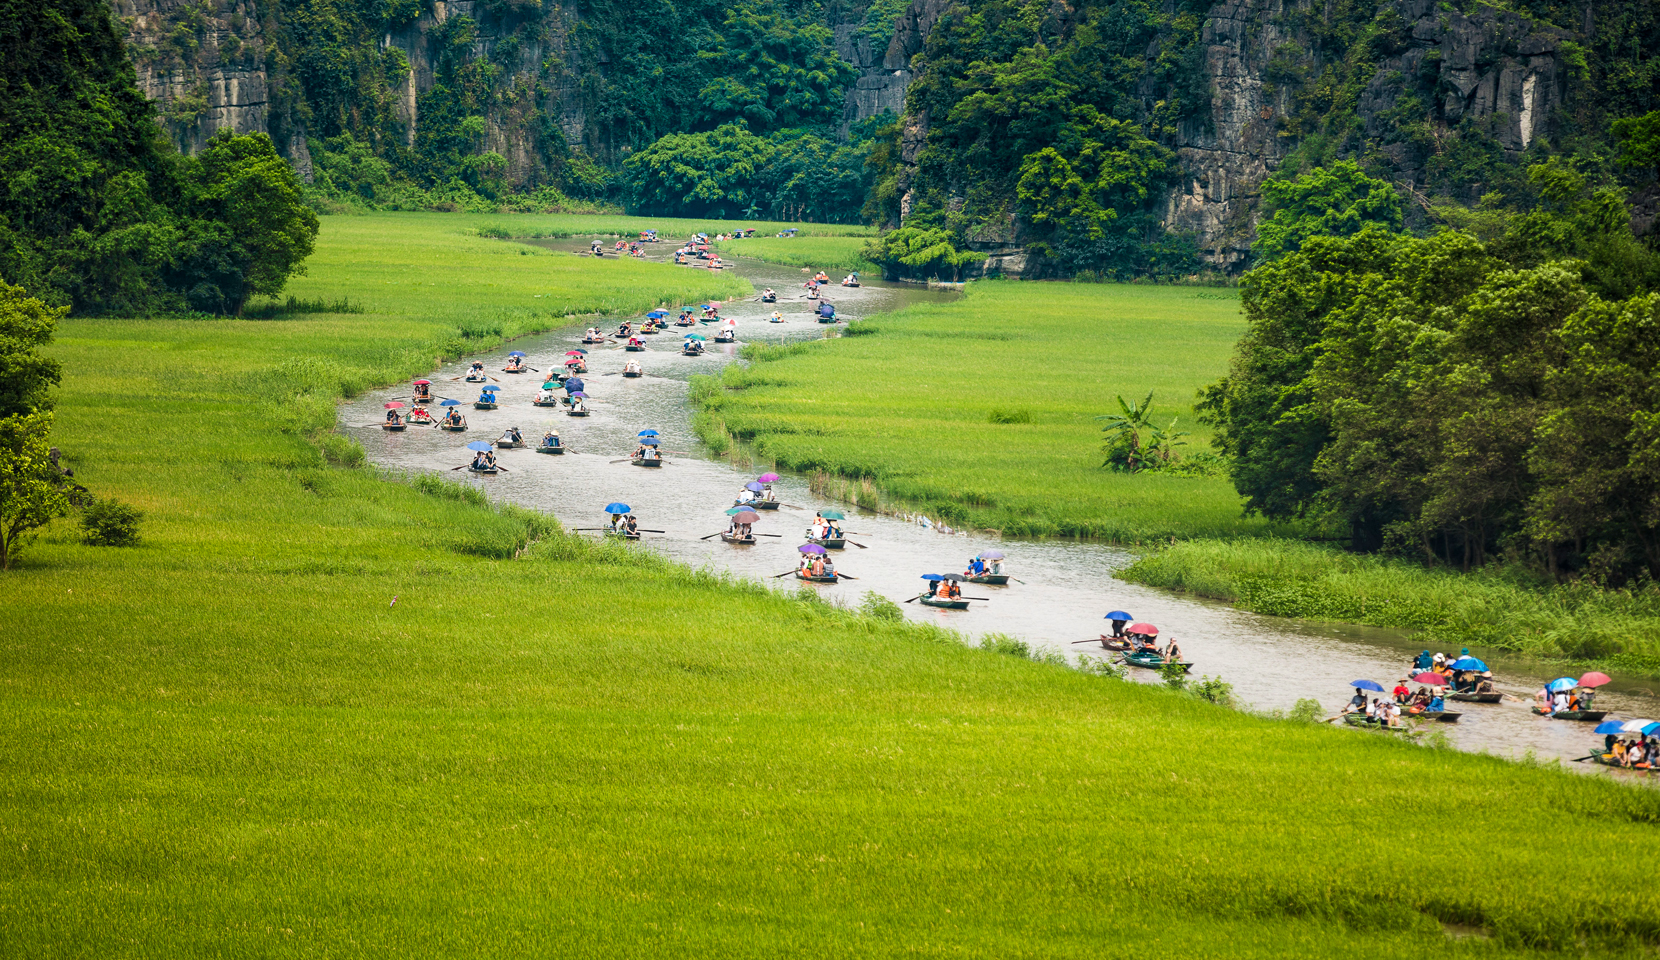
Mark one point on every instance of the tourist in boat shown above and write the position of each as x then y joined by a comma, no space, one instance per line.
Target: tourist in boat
596,249
423,391
577,406
1173,652
1423,662
550,439
821,277
746,495
543,395
633,366
514,364
453,418
392,417
479,461
1402,692
1357,703
631,526
477,369
776,317
514,435
1485,684
625,330
769,295
486,396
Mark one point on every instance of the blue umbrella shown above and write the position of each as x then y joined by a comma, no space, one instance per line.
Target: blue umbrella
658,314
616,508
932,576
489,388
517,353
450,403
752,485
648,441
1118,615
648,433
574,383
1468,663
1367,685
1610,726
1562,683
478,445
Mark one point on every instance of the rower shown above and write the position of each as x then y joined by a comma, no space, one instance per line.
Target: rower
477,369
577,404
454,417
632,366
767,494
392,417
596,249
514,435
626,329
550,439
486,396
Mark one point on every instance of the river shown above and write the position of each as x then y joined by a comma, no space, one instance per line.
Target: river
1066,587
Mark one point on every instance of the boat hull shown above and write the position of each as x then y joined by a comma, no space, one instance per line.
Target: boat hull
477,379
994,579
1586,715
544,403
454,427
830,544
740,541
423,399
576,413
944,604
509,444
1476,697
761,504
633,349
631,374
488,470
1443,716
553,450
505,370
644,462
721,339
812,579
480,405
394,427
621,535
1152,661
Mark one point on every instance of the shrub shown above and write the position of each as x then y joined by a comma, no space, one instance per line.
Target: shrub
107,522
1174,675
1214,690
880,607
1003,643
495,232
1307,710
343,451
1000,415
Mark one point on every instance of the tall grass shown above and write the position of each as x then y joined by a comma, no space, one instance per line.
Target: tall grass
981,411
832,254
324,711
1503,607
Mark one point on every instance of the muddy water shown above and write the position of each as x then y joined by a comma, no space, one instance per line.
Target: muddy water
1066,587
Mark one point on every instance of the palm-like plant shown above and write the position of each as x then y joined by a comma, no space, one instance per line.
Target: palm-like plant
1134,441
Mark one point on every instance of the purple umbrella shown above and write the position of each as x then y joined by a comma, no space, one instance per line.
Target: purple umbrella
811,548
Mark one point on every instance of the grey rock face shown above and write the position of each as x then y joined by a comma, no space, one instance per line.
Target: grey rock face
201,79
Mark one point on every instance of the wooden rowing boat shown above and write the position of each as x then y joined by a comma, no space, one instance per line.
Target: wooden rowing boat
576,413
744,541
1570,714
1607,760
453,427
826,319
546,403
726,338
593,340
631,374
1152,661
394,427
423,399
995,579
1494,697
646,461
691,353
635,348
1445,716
758,504
513,370
502,443
830,543
554,450
1369,723
853,284
484,405
943,603
476,378
489,470
827,578
623,534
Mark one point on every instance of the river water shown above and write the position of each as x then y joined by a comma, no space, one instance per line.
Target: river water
1067,587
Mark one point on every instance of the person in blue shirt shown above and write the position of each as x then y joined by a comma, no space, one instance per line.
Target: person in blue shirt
486,397
1436,704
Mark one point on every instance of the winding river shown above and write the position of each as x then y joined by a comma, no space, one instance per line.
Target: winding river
1066,587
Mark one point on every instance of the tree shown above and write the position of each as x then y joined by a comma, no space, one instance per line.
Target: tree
699,174
26,325
1336,201
1134,442
773,72
1639,141
29,494
916,252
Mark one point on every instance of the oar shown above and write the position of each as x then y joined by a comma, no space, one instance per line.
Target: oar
1019,581
623,460
859,545
784,574
1583,759
845,576
712,535
644,530
973,598
914,599
767,534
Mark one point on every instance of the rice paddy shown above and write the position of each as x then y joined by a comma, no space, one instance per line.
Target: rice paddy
981,411
322,711
833,254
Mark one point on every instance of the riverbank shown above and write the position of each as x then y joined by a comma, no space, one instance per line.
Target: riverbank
981,412
1501,607
324,711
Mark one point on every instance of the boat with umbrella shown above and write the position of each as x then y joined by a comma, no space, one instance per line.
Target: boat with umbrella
655,321
615,530
740,517
693,345
766,501
804,571
423,391
557,447
394,423
487,468
831,541
649,456
1138,654
453,420
486,398
1357,718
1422,711
1566,685
935,600
577,411
549,401
515,362
576,361
1622,736
993,576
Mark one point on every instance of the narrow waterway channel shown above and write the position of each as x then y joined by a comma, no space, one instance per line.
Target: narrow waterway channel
1066,587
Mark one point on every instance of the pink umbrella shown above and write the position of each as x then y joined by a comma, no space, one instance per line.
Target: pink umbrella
767,477
1594,679
1434,679
418,382
393,405
1145,629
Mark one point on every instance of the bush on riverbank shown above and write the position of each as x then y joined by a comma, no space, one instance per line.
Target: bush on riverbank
1502,606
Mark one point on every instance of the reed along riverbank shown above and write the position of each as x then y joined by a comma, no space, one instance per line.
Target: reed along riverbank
231,740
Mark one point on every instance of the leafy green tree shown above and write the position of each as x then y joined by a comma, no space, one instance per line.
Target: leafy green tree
29,494
26,325
772,71
915,252
1134,442
1338,201
699,174
1638,141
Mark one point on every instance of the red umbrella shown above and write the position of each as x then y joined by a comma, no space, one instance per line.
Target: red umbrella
573,353
393,405
1434,679
1594,679
1145,629
419,382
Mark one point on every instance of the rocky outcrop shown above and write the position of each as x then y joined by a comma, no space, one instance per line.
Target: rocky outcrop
204,66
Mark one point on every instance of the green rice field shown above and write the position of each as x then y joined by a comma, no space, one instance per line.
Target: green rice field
981,411
320,711
669,229
832,254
